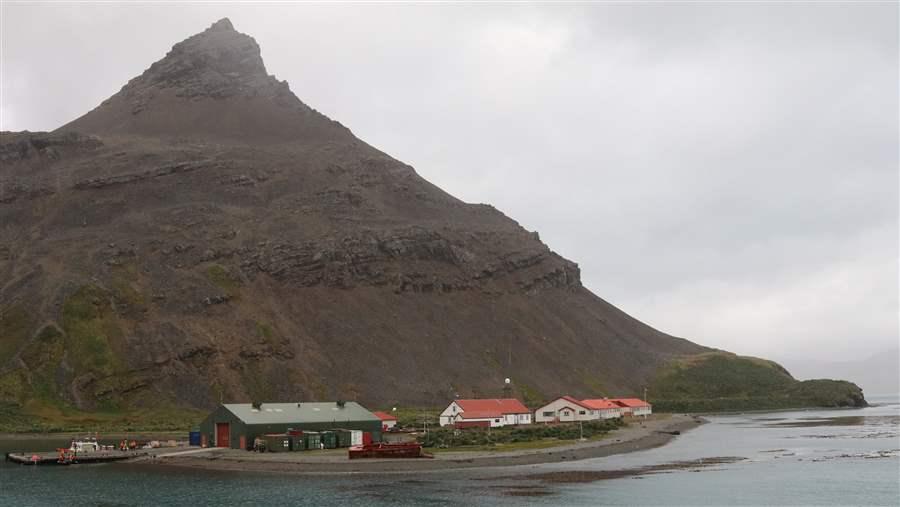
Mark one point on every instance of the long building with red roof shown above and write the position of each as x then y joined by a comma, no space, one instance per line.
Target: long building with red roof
569,409
633,406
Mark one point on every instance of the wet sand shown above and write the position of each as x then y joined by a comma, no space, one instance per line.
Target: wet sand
635,437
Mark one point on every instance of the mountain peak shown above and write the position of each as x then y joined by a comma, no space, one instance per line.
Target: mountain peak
211,85
219,61
222,25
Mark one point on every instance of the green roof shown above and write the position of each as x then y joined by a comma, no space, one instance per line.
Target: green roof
303,412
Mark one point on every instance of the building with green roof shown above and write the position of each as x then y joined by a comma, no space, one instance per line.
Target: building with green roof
236,425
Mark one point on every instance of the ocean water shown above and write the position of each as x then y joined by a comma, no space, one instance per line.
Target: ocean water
817,457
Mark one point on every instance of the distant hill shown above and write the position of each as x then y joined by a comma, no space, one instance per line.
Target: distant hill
718,381
204,235
877,374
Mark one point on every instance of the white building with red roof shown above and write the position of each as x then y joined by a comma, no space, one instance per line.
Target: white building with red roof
387,420
565,409
605,408
488,413
633,406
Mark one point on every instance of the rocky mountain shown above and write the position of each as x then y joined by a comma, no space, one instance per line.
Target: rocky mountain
204,235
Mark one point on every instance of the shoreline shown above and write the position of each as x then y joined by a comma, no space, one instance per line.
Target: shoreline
24,435
637,436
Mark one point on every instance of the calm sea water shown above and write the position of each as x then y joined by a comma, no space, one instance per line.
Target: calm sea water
838,457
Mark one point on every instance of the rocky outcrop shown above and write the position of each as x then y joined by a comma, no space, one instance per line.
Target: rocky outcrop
46,147
412,259
181,167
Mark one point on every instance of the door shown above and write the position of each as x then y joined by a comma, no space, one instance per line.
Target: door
223,435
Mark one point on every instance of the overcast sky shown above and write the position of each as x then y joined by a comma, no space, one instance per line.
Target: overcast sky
723,172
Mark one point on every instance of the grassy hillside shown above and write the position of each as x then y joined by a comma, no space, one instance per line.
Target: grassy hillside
721,381
46,418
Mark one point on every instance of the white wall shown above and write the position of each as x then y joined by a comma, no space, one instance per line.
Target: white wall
447,417
643,411
610,413
564,411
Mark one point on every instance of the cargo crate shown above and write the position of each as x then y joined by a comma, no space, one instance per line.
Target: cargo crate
277,442
344,437
312,439
329,438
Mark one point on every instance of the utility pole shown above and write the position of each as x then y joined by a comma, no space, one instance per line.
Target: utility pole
581,430
645,399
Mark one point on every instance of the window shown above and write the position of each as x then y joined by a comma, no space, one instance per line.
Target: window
496,420
581,412
548,414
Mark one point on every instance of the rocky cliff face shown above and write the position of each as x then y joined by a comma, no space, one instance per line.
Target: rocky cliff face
204,235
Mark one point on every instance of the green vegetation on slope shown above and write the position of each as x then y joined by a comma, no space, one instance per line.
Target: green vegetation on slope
15,323
720,381
449,437
92,331
79,359
46,419
222,278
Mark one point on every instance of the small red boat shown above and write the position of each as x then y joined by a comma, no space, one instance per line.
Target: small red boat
382,450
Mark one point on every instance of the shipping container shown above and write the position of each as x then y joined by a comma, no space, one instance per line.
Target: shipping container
298,441
329,438
312,439
278,442
344,437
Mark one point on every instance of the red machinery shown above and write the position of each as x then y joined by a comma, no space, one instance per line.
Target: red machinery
382,450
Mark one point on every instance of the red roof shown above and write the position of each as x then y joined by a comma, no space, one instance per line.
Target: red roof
573,401
384,416
599,404
502,406
630,402
480,414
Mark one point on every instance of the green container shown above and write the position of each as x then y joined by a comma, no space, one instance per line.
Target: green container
329,438
298,443
344,437
312,440
278,443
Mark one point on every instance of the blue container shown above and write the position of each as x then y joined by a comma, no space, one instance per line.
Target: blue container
194,438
